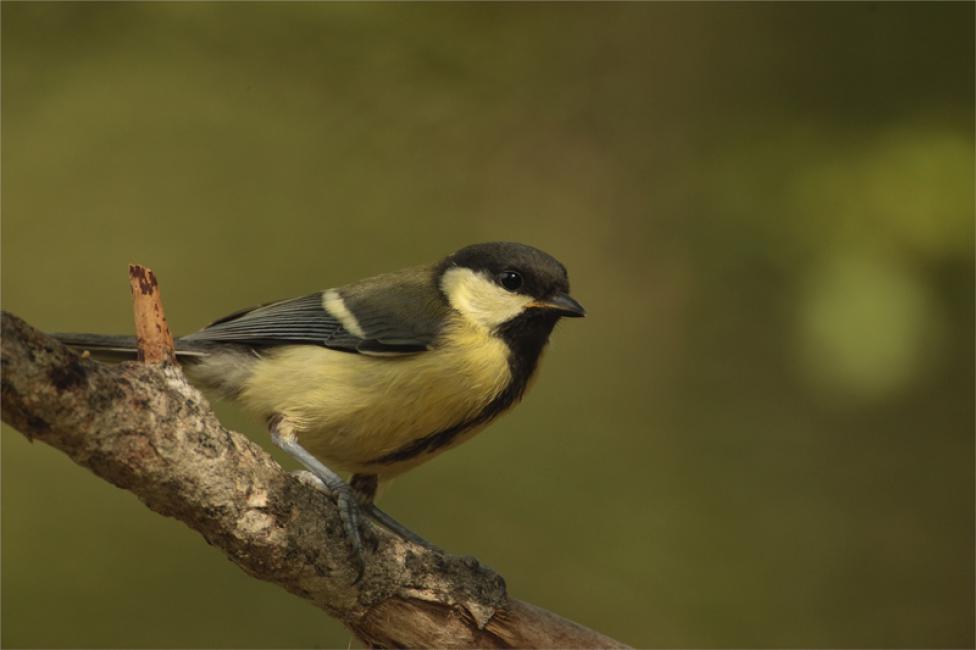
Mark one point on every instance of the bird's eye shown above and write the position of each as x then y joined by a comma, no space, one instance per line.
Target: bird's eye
511,280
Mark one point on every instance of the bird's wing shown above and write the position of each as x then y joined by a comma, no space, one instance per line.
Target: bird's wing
368,326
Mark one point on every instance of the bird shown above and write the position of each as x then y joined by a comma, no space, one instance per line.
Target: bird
381,375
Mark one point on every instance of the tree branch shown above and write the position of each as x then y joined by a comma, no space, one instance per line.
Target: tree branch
145,429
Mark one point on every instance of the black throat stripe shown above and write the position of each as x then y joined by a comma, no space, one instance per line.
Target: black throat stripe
526,337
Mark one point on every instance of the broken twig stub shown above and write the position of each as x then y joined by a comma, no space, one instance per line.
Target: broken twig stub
153,338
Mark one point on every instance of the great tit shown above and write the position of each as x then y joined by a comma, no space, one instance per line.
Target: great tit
381,375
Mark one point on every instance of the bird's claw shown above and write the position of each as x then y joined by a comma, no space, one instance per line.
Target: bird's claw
349,513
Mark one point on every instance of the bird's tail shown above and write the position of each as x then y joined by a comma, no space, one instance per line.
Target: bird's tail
120,347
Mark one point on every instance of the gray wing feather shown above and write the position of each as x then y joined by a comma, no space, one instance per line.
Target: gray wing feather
299,320
304,320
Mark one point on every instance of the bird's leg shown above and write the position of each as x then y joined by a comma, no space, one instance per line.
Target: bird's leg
364,485
283,435
350,497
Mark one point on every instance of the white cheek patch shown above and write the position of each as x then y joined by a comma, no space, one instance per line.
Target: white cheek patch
333,303
480,300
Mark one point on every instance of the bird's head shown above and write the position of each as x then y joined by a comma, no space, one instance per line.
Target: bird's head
508,287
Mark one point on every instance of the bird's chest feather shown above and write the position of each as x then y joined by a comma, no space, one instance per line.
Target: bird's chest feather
353,409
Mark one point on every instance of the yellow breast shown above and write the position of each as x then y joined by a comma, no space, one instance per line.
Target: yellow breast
348,409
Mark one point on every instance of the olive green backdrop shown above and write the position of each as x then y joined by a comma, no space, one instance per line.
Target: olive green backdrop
762,435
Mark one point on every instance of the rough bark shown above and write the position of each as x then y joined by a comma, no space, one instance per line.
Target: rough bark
142,427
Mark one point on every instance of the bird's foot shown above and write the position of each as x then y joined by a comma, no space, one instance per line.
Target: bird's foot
362,503
349,507
397,528
364,486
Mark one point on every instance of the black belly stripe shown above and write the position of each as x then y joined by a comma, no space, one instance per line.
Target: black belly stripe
526,336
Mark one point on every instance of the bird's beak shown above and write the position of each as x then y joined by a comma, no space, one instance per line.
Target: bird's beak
561,303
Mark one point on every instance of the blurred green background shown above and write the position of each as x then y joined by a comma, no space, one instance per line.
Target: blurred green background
762,436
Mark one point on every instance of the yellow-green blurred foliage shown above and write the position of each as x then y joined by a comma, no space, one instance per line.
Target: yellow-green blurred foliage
761,436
